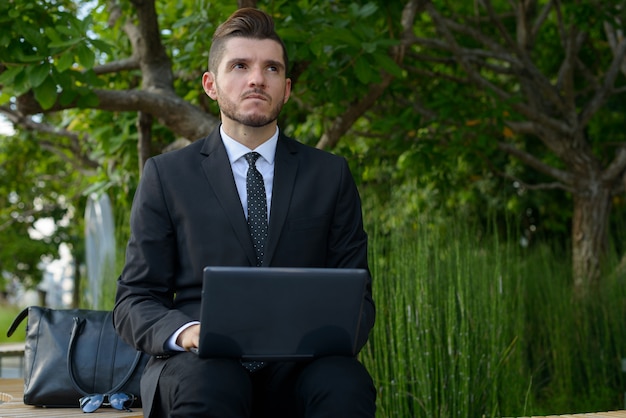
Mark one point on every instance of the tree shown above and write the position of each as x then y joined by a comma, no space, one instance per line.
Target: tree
556,73
528,90
531,90
104,85
32,188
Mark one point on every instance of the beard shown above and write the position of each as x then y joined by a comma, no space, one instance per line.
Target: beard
254,120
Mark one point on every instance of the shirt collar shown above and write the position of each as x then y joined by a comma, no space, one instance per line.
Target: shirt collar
236,150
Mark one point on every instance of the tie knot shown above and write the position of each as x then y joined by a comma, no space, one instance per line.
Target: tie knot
251,157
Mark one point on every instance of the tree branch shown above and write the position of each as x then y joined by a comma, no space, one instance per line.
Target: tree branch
541,19
481,56
435,74
615,36
560,148
180,116
565,77
526,72
501,29
342,124
76,158
539,186
617,167
607,87
117,66
532,161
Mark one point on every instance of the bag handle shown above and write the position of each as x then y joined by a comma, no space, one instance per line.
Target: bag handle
17,321
76,330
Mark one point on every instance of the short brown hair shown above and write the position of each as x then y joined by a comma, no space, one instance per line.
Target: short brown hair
246,22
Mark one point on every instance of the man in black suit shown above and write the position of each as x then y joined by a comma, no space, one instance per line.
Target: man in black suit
190,211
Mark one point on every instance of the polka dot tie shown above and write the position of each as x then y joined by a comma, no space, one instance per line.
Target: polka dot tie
257,206
257,223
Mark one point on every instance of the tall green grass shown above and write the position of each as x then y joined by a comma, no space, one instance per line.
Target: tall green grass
470,326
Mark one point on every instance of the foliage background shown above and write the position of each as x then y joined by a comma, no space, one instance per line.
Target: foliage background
466,238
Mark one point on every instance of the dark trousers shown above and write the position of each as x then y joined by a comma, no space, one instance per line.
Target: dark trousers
326,387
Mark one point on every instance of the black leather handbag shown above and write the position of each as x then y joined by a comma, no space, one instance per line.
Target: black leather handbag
74,358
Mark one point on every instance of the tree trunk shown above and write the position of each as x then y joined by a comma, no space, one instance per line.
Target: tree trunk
590,235
144,141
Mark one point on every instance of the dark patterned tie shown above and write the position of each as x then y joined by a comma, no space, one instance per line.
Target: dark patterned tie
257,222
257,206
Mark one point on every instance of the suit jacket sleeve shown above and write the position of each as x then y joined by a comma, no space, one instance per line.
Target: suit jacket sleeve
348,244
143,314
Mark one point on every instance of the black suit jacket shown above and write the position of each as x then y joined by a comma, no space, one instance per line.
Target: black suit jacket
187,214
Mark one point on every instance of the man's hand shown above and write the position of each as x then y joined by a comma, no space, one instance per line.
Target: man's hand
189,338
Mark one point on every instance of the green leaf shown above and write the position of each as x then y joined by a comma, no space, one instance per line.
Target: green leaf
293,34
32,58
86,57
37,74
365,11
65,61
65,43
52,34
389,65
46,93
369,47
67,96
101,45
95,187
21,83
5,40
70,30
5,98
363,70
32,35
337,36
8,76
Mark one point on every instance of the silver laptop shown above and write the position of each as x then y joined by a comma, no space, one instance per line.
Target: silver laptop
280,313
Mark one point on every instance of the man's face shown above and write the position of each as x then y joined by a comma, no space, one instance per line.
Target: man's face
250,85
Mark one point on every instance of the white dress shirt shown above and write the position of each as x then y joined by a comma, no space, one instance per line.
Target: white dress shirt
239,165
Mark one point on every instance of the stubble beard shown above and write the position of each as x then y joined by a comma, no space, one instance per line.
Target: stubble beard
255,120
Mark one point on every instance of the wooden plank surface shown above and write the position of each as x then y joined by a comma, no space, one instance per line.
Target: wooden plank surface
610,414
12,405
12,349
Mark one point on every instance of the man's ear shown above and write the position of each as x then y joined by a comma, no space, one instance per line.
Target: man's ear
208,83
287,90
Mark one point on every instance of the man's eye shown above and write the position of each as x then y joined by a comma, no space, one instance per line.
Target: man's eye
239,66
273,68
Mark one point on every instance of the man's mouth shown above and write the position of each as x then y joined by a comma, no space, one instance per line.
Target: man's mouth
258,96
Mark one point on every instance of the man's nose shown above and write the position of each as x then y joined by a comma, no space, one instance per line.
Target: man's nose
257,77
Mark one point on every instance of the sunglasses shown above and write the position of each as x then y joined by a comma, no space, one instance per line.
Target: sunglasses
120,401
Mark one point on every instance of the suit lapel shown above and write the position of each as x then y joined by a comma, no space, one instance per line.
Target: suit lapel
285,169
219,173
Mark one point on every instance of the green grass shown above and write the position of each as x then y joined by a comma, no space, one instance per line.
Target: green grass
7,315
468,326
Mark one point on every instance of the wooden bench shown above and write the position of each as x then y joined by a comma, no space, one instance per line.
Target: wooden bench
12,392
12,350
12,405
610,414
